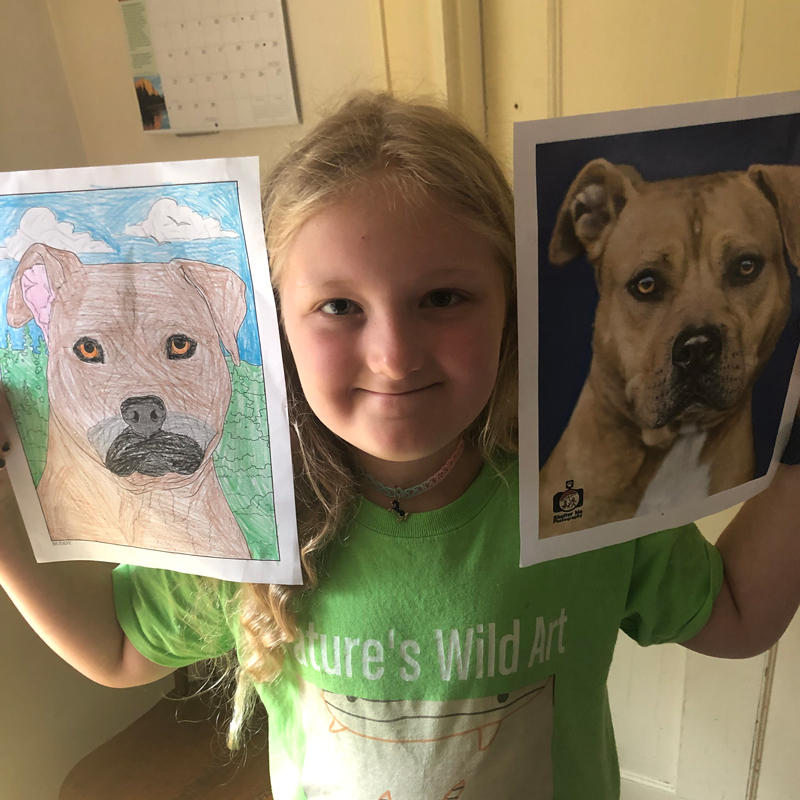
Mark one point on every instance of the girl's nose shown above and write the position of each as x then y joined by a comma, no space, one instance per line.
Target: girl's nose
393,347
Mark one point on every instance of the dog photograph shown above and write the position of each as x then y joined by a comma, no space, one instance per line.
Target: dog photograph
132,364
668,319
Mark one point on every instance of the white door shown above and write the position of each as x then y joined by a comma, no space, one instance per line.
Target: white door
688,725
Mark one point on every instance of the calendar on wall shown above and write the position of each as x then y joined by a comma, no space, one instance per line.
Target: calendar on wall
209,65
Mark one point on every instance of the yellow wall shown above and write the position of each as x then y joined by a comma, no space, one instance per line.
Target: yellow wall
38,126
547,58
337,50
770,56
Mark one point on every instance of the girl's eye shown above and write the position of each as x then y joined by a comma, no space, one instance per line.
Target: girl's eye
179,347
338,307
442,298
89,350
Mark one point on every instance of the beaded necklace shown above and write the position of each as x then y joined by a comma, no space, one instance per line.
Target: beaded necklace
398,494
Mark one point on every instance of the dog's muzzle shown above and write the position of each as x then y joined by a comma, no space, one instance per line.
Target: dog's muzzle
696,351
698,383
145,447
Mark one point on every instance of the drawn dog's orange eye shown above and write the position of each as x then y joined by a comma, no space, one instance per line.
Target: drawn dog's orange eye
89,350
179,347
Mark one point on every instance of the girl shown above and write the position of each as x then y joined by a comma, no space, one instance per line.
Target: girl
418,660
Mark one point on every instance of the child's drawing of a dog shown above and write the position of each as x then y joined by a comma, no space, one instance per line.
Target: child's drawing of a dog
138,388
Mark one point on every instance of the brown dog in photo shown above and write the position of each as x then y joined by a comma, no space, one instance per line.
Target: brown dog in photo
138,389
694,293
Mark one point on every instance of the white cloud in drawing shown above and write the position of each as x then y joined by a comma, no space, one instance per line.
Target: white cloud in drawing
41,225
169,222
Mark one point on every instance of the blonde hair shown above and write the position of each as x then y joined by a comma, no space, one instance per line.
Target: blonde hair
427,154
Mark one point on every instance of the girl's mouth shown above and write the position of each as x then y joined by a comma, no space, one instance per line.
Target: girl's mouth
405,393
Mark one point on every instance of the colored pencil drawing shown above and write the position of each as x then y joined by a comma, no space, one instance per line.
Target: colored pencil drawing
132,365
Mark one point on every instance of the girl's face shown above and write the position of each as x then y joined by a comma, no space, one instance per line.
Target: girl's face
394,314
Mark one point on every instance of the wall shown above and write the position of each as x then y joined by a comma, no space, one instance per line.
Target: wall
547,58
52,716
337,50
38,126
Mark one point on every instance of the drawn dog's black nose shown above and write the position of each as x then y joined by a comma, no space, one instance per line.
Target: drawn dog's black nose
697,349
144,415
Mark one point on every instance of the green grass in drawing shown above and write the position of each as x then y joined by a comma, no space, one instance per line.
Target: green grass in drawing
242,461
241,458
24,374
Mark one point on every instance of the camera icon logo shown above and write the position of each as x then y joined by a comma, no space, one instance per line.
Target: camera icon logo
568,500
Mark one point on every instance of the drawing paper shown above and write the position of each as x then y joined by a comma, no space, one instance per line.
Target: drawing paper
140,361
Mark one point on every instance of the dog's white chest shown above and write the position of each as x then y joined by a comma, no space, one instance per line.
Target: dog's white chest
681,478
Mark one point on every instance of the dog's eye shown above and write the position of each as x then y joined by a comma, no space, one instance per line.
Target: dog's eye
647,285
180,347
89,350
745,269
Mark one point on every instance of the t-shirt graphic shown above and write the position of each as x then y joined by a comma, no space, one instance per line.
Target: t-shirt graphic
360,749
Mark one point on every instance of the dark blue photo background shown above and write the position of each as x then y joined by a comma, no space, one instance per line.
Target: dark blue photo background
568,294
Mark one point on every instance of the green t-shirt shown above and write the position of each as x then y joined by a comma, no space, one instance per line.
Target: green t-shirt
431,666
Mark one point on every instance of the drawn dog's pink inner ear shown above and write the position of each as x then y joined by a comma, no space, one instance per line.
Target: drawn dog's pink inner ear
38,296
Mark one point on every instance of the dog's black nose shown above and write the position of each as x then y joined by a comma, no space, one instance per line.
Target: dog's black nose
144,415
697,349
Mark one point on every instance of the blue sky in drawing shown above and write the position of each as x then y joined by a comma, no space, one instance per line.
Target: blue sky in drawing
99,219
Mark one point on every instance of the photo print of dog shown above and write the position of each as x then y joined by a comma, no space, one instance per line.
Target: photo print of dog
693,294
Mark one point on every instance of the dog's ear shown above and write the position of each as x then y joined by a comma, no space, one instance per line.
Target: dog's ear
590,209
781,185
40,273
224,293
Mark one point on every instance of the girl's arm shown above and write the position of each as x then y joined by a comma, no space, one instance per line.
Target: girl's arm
761,590
69,604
